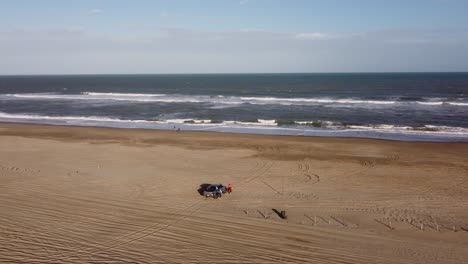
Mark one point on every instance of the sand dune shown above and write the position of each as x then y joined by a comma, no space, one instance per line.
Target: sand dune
100,195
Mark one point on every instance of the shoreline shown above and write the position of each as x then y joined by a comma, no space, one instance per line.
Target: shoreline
34,124
69,128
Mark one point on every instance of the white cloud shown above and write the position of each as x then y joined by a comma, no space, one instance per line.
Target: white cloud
95,11
252,30
312,36
242,2
167,14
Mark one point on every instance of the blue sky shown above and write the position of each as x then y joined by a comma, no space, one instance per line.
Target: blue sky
104,36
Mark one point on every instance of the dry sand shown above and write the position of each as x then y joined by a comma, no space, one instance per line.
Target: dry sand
100,195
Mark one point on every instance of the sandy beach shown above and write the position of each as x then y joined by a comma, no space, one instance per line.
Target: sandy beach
104,195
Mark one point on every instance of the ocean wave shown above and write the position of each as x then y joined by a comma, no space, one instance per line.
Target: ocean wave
427,129
259,123
316,100
65,118
430,103
458,104
443,103
220,101
109,97
121,94
374,127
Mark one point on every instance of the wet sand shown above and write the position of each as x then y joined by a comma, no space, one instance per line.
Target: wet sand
104,195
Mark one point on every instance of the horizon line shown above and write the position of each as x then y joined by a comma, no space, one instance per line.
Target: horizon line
237,73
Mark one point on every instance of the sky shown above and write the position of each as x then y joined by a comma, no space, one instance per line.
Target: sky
232,36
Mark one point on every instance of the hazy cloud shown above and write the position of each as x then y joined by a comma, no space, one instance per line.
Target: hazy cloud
313,36
94,11
173,50
423,36
166,14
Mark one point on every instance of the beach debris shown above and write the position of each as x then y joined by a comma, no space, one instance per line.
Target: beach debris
387,225
334,218
281,214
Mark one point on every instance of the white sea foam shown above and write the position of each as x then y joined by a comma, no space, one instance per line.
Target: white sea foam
66,118
267,122
301,127
430,103
260,122
316,100
134,98
318,122
122,94
186,121
219,101
444,103
458,104
229,100
428,129
42,96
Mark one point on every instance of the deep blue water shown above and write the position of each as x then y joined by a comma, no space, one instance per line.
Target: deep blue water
403,106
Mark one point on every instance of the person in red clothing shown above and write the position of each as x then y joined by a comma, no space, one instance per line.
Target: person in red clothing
229,188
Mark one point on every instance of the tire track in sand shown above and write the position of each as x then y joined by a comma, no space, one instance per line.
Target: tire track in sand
304,171
256,172
117,242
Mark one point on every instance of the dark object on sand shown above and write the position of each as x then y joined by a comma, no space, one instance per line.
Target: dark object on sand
212,190
281,214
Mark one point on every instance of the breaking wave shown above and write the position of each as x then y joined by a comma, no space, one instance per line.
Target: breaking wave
122,94
443,103
109,97
220,100
315,100
258,123
64,118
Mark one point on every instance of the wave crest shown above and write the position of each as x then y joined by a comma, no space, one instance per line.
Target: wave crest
307,125
220,101
121,94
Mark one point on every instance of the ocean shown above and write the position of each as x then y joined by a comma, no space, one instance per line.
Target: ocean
397,106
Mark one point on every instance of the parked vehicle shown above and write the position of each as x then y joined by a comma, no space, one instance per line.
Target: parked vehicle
214,190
